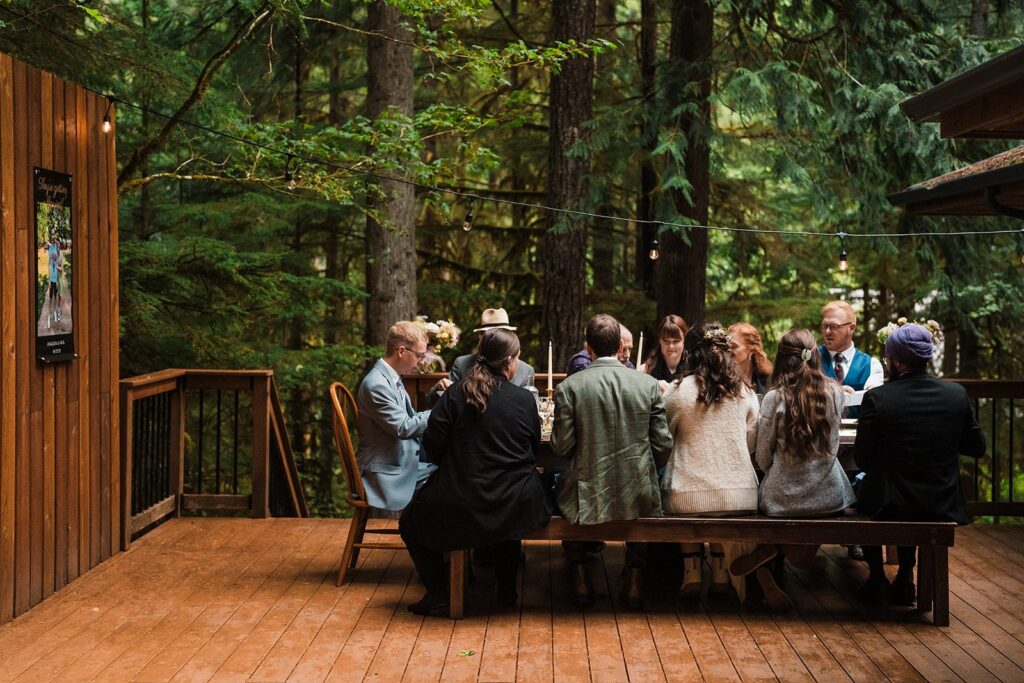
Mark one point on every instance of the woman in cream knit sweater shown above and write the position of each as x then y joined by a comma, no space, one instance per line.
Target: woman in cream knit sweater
712,415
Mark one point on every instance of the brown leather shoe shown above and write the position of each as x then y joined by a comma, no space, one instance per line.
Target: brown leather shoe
633,587
582,585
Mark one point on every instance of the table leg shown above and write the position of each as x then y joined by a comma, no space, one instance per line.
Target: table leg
457,583
925,576
941,614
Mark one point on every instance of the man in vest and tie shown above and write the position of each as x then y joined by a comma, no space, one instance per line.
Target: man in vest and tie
389,428
840,360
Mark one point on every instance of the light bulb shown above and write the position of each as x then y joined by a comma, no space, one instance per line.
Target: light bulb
106,123
467,224
653,254
843,265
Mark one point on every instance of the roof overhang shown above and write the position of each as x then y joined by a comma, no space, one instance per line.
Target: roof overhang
986,101
988,193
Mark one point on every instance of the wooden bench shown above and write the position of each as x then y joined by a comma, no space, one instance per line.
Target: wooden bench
933,540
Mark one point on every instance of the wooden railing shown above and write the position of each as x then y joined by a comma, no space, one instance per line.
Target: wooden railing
204,440
994,483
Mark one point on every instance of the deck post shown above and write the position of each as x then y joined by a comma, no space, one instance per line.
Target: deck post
261,447
176,469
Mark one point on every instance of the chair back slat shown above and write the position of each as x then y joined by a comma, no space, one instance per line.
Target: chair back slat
341,399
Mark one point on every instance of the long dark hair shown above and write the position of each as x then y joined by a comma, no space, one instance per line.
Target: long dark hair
709,360
806,392
497,349
671,327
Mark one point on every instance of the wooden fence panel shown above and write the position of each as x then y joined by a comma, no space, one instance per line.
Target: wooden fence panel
59,464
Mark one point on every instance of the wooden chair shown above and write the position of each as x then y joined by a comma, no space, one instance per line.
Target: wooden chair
341,398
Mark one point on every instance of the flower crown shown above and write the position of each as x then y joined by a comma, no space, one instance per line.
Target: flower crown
717,333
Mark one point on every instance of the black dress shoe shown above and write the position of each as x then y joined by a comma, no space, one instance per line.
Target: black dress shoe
875,591
582,585
633,587
430,606
902,592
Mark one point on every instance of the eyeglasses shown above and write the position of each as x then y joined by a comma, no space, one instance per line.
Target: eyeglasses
419,356
833,328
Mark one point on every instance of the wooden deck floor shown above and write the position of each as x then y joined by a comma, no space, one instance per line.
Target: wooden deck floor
236,599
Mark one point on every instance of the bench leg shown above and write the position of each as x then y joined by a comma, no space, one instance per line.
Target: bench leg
457,583
925,576
940,616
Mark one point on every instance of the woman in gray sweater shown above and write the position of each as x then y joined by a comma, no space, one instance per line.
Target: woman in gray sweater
797,443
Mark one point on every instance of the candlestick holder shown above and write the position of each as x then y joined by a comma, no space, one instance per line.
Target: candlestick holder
550,393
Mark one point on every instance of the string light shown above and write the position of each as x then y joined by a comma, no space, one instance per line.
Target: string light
843,265
467,224
653,252
106,115
289,176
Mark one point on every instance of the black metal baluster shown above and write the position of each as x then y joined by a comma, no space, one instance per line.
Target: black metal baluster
136,455
217,449
1010,469
977,464
996,488
146,453
199,472
234,449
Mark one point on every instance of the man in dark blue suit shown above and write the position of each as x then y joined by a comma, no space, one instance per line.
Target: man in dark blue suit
910,434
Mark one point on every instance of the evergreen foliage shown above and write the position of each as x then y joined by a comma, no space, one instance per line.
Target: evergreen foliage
223,266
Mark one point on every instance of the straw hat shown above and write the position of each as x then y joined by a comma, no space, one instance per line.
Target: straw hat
492,318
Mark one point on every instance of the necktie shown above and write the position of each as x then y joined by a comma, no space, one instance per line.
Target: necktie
840,375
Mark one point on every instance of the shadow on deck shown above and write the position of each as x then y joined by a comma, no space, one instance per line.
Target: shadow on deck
255,599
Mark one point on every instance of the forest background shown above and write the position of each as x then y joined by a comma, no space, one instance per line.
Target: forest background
285,245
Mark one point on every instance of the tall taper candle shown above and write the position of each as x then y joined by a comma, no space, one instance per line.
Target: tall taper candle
551,385
640,351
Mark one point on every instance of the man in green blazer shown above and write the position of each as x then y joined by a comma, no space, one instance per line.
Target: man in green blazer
610,424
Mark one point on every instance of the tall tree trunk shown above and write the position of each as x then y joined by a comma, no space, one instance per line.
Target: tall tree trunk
391,243
603,233
979,18
649,139
565,242
681,272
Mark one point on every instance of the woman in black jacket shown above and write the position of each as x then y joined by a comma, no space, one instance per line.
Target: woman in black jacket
483,435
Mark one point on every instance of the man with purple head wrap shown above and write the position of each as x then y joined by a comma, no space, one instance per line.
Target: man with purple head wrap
910,433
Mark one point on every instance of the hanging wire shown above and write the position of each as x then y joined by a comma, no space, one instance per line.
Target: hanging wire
474,196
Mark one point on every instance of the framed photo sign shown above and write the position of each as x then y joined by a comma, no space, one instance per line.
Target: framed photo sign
55,322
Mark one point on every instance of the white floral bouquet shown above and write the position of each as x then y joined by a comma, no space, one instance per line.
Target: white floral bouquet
442,334
932,326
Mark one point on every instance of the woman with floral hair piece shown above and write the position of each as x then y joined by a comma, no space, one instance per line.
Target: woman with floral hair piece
712,415
797,444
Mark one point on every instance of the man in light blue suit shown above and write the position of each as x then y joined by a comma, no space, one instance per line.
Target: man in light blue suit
389,428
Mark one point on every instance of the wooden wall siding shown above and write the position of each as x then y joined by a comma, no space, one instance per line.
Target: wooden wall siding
59,466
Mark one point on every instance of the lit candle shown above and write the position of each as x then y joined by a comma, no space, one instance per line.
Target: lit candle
551,384
640,351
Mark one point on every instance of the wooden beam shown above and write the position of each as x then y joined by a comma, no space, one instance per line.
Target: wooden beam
988,113
216,501
153,513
